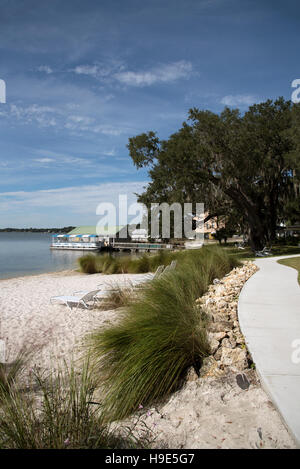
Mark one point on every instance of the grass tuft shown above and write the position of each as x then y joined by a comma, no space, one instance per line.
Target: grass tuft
107,264
11,373
118,297
146,355
63,414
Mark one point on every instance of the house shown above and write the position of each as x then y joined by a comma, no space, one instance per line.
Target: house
105,234
139,236
210,227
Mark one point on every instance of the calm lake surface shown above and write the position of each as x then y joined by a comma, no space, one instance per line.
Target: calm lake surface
29,253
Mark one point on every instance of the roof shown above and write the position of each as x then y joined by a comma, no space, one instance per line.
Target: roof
140,231
96,230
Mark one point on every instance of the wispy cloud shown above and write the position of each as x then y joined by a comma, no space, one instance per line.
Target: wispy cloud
50,157
44,116
45,69
60,118
67,205
100,70
44,160
239,100
117,71
87,124
165,73
92,70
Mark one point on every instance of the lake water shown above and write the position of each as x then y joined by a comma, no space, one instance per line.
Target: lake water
29,253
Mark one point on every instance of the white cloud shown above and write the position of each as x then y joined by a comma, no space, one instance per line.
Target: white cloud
109,152
239,100
61,159
44,116
45,69
64,206
92,70
109,130
44,160
115,70
81,119
99,70
166,73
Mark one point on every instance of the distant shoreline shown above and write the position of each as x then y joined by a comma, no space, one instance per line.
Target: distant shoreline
64,272
65,229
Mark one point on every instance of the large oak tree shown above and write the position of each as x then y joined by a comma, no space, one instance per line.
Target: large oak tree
244,166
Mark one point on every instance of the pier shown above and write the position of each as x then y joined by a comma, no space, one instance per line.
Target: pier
146,247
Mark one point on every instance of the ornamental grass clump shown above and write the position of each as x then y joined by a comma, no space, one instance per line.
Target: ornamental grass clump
60,411
161,334
12,372
88,264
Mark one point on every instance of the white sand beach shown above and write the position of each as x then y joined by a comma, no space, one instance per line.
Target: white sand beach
53,332
206,413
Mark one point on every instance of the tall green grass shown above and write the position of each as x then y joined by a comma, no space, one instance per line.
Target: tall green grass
146,355
118,297
107,264
63,413
12,372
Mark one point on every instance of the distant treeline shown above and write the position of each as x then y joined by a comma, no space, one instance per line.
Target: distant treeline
66,229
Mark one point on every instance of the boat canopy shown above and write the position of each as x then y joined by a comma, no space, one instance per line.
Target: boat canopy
74,236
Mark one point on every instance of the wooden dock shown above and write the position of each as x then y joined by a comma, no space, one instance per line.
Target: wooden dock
146,247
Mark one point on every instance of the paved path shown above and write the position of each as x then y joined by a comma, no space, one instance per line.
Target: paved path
269,315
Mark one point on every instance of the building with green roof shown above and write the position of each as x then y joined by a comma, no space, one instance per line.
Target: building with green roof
105,231
91,238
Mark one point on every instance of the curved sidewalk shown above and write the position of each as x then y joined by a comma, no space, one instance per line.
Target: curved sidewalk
269,315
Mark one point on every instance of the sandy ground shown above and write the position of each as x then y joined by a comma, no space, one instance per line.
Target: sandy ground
211,413
206,413
53,332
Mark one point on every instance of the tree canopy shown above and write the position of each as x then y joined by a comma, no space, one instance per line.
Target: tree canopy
245,167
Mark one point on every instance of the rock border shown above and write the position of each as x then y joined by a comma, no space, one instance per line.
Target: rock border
228,351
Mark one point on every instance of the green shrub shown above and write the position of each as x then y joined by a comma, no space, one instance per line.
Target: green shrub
88,264
143,264
109,264
145,356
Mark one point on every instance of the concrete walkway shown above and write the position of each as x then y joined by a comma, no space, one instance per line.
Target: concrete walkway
269,315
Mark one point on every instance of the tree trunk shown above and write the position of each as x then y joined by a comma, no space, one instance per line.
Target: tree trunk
257,229
256,237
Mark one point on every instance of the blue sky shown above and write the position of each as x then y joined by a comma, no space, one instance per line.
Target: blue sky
82,77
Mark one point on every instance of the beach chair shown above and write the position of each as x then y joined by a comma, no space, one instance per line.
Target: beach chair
82,299
133,282
264,252
170,267
148,278
152,276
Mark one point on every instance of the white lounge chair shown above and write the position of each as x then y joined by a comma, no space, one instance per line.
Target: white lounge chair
170,267
264,252
152,276
82,299
109,287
